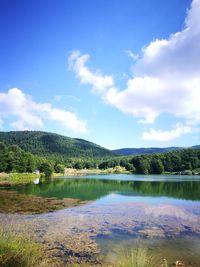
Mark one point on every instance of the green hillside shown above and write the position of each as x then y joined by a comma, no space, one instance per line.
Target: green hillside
144,150
54,146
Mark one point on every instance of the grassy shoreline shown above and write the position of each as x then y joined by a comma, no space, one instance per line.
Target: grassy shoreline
17,178
26,178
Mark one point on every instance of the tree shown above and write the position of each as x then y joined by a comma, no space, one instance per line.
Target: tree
123,163
156,166
59,168
129,167
3,148
103,165
47,169
78,165
141,164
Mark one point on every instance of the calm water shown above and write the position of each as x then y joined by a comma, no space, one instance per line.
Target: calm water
161,213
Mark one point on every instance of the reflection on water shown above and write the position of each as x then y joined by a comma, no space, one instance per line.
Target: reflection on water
163,215
92,189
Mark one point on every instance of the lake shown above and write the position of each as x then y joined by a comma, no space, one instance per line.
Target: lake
115,213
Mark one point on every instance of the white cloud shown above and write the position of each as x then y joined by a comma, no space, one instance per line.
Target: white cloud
166,78
28,114
100,83
132,55
164,136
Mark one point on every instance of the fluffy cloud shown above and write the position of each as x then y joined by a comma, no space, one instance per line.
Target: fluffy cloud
28,114
100,83
164,136
166,79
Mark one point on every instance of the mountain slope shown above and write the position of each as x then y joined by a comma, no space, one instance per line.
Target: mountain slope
53,145
140,151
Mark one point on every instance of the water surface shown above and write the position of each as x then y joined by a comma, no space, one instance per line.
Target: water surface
161,213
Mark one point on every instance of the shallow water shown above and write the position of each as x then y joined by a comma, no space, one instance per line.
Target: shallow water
161,213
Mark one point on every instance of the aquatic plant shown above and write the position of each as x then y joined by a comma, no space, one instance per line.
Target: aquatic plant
18,251
137,257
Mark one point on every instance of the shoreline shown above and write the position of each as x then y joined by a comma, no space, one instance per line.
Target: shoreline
9,179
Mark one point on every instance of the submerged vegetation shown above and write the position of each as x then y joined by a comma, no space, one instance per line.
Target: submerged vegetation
12,202
20,251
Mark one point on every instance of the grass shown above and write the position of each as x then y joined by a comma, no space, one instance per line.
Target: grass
18,251
17,178
138,257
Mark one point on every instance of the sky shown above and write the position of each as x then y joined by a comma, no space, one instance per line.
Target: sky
119,73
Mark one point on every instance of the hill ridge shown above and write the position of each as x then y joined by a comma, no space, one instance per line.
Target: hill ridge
53,145
149,150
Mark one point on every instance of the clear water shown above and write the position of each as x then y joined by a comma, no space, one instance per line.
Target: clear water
161,213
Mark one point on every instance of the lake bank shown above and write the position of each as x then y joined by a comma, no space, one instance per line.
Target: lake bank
7,179
17,178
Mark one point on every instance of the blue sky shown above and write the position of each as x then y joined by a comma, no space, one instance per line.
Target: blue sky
117,73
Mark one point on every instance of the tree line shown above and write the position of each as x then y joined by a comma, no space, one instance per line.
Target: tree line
14,159
184,161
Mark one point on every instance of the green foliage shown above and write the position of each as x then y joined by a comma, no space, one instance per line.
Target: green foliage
78,165
47,169
156,166
172,162
53,146
14,159
147,150
30,150
129,167
18,251
141,164
59,168
21,164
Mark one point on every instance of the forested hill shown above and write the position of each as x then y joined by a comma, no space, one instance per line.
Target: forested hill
141,151
54,146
